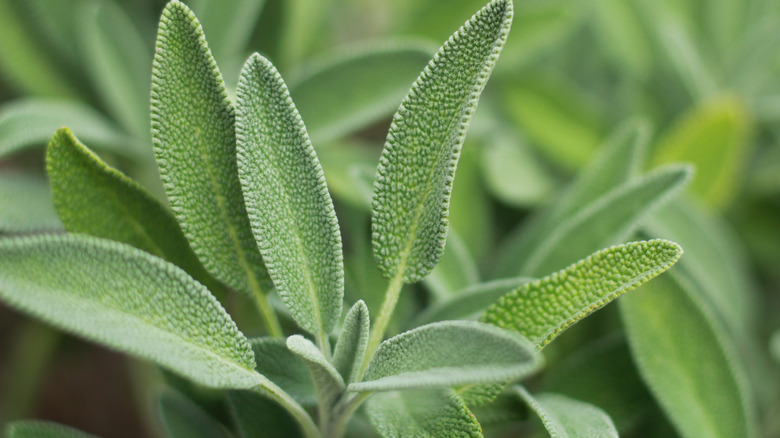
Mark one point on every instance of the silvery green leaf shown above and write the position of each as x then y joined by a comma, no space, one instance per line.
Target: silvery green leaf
544,308
352,342
41,429
416,170
194,141
257,416
428,413
287,199
564,417
285,368
131,301
687,361
182,418
449,353
327,381
25,203
96,199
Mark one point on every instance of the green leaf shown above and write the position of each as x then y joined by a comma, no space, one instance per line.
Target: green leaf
287,199
712,136
623,35
194,141
42,429
351,346
128,300
416,170
283,367
94,198
431,413
449,353
542,309
184,419
687,361
31,122
354,87
25,204
255,415
457,269
327,381
774,346
564,417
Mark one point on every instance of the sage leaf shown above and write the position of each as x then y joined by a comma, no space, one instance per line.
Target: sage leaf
327,381
417,166
544,308
42,429
624,36
25,204
449,353
284,368
682,353
564,417
194,141
255,415
431,413
93,198
456,269
126,299
287,199
182,418
352,342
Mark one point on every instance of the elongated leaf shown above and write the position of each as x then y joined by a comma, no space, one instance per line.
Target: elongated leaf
542,309
285,368
564,417
431,413
355,87
194,141
448,353
128,300
25,204
624,37
255,415
327,381
42,429
457,269
351,346
416,170
184,419
93,198
682,354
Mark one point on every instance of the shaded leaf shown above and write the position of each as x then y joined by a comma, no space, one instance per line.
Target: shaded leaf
623,35
182,418
327,381
41,429
457,269
25,204
352,342
564,417
283,367
255,415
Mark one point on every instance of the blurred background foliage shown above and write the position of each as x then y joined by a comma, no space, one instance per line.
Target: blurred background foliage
700,77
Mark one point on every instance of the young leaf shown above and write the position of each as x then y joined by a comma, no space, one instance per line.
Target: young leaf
683,354
255,415
351,346
128,300
42,429
564,417
194,141
93,198
184,419
542,309
327,381
287,199
25,204
429,413
449,353
285,368
416,170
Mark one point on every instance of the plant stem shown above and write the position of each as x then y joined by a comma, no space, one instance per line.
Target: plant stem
380,325
267,312
343,412
324,343
296,410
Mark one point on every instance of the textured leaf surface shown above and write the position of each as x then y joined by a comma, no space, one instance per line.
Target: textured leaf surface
93,198
284,368
542,309
327,381
687,361
351,346
194,141
287,199
564,417
257,416
184,419
416,170
128,300
25,204
449,353
432,413
471,301
42,429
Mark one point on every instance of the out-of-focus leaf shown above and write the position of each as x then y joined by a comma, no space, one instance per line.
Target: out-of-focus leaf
255,415
42,429
182,418
564,417
774,346
302,26
350,167
284,368
471,212
713,137
457,269
624,36
351,346
687,361
25,204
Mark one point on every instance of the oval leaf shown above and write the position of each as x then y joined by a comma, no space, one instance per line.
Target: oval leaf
327,381
417,167
128,300
564,417
287,199
42,429
351,346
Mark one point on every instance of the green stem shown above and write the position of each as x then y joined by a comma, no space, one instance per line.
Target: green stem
324,343
380,325
296,410
343,412
267,312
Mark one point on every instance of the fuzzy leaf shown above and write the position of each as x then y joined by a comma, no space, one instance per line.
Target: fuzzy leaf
184,419
351,346
95,199
417,167
430,413
283,367
128,300
542,309
564,417
683,354
287,199
25,204
42,429
449,353
194,141
257,416
327,381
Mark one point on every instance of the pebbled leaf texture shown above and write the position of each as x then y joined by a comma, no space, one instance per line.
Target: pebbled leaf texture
290,209
352,342
182,418
416,170
42,429
542,309
128,300
194,141
564,417
449,353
